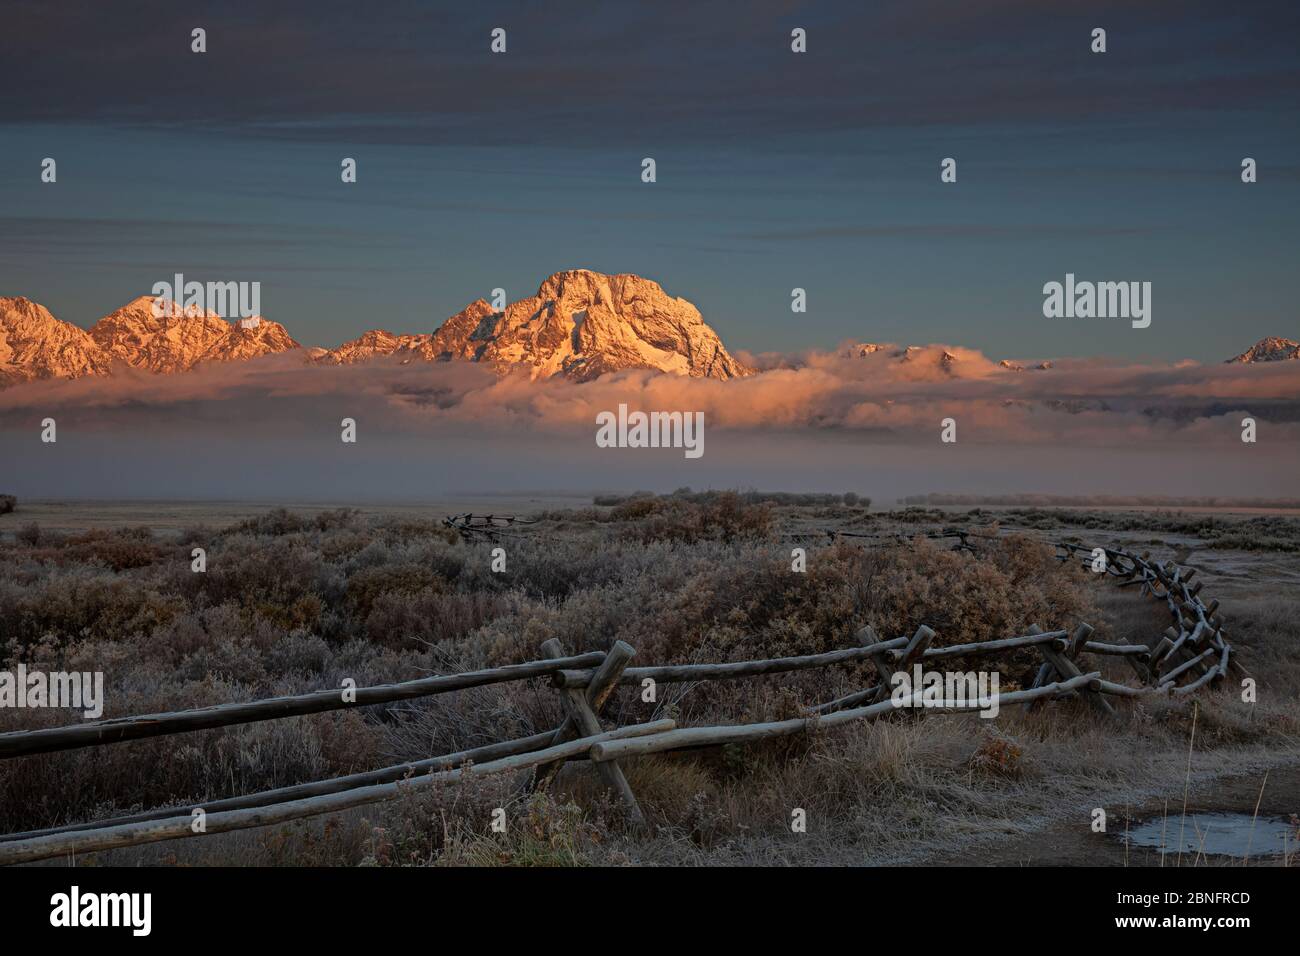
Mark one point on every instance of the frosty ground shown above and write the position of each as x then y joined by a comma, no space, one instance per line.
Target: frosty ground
298,600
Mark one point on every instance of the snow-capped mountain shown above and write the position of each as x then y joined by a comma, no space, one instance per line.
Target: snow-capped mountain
170,342
1271,349
946,360
177,339
36,345
579,325
369,345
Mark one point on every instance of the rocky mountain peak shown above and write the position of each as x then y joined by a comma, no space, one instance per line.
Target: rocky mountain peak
1270,349
582,324
36,345
579,325
158,335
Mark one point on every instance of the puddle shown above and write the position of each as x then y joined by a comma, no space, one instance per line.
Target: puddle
1217,834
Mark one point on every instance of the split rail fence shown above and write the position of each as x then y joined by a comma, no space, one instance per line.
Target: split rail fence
1193,653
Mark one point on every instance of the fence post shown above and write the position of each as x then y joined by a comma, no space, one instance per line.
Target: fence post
598,692
1072,651
888,662
904,659
1067,669
880,661
584,720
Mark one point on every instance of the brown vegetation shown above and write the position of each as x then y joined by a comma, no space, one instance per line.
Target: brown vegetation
289,604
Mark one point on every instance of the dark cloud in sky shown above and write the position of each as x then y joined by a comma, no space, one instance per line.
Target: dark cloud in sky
615,73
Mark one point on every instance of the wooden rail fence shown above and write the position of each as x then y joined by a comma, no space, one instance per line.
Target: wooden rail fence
1192,653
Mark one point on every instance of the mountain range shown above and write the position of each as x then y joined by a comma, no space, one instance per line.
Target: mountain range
579,326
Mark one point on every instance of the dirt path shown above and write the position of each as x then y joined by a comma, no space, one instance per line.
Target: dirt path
1074,844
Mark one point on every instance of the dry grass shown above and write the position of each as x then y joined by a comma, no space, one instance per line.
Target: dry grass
290,604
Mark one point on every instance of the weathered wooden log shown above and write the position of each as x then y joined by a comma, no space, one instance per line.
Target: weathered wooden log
1077,640
994,647
685,673
1045,671
1123,690
1234,664
607,674
848,700
135,834
880,661
315,789
891,662
743,733
584,718
679,673
1223,663
915,648
1180,650
1141,663
1078,644
1162,647
1198,683
1040,678
598,691
1187,665
1125,650
1067,669
51,739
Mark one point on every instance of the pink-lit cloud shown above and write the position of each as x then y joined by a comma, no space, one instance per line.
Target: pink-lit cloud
898,397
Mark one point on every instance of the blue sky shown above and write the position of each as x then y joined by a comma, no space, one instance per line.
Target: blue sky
775,170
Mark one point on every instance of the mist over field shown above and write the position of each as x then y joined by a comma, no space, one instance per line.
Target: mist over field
271,429
294,466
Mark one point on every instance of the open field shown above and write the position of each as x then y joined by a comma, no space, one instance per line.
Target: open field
299,600
167,518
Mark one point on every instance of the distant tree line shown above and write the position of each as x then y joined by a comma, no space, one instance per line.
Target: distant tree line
749,497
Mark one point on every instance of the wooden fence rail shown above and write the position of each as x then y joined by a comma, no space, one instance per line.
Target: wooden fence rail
1195,648
174,827
98,732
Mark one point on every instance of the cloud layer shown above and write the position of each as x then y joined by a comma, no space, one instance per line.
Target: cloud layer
891,394
402,71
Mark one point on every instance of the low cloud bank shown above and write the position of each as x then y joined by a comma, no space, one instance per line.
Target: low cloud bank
900,397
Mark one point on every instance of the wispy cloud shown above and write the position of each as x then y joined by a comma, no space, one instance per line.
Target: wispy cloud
950,231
